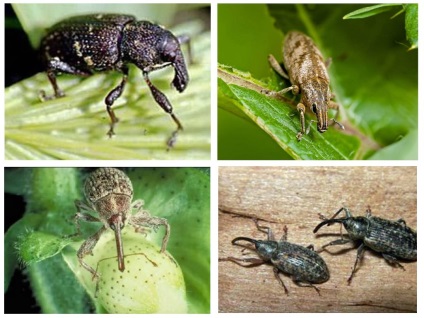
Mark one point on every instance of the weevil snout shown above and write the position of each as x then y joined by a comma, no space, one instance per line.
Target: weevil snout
117,223
328,222
322,118
171,52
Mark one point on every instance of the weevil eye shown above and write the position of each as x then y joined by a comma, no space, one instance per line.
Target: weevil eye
170,49
314,108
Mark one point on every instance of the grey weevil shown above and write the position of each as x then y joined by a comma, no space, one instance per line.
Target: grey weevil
109,193
393,239
308,75
87,44
303,264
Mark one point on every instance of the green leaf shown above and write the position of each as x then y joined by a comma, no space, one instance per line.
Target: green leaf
276,118
11,257
35,247
369,11
377,91
411,24
407,146
75,126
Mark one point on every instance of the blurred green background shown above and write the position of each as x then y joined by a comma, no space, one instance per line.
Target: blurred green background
246,36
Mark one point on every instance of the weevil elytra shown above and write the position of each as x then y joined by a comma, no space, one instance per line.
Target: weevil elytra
308,75
303,264
109,193
84,45
393,239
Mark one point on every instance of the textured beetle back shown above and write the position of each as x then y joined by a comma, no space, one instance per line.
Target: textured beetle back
392,238
302,263
105,181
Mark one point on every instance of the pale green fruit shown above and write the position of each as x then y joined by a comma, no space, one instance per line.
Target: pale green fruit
152,282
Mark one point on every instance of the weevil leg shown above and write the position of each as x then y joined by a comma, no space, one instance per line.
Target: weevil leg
392,260
301,109
143,219
164,103
305,284
251,262
87,248
277,276
368,212
55,66
359,255
82,206
264,229
113,95
311,247
284,236
346,210
337,242
334,105
328,62
276,66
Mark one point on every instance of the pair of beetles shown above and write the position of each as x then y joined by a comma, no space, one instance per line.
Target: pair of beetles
393,239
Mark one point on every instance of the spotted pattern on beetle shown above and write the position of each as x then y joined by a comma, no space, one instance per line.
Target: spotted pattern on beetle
303,264
393,239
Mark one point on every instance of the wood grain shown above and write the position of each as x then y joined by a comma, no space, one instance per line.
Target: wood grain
294,196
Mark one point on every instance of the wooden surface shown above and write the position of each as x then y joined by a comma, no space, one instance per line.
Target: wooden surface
294,196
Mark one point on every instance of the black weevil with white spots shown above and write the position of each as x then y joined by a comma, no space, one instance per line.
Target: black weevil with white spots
87,44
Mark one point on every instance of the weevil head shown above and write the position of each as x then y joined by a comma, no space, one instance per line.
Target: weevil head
171,52
356,227
265,249
316,96
149,46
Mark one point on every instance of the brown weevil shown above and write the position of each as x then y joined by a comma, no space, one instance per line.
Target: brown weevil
393,239
109,193
308,75
84,45
303,264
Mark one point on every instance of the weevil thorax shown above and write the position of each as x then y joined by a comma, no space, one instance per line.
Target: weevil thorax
315,95
110,192
145,44
266,249
357,227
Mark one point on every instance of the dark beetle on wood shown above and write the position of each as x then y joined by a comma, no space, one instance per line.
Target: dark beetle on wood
303,264
393,239
87,44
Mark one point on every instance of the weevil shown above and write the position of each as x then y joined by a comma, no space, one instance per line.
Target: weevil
393,239
303,264
109,194
307,72
84,45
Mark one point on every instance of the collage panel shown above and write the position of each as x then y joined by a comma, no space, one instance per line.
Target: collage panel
107,81
107,240
317,81
317,239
